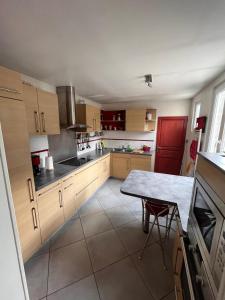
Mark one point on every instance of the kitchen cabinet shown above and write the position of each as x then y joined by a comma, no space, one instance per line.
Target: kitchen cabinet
68,185
42,111
103,169
16,142
122,164
88,115
86,192
177,265
136,120
10,84
50,209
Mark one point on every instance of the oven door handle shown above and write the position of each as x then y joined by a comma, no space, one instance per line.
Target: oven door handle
187,269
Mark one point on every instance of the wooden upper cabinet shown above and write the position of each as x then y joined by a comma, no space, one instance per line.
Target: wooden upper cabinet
48,112
42,111
16,142
31,103
88,115
50,209
10,84
136,120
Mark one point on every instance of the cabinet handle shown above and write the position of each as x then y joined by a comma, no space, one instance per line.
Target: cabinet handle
30,188
60,199
43,121
66,187
9,90
34,217
36,121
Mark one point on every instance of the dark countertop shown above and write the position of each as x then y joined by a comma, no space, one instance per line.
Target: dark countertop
46,177
170,189
217,159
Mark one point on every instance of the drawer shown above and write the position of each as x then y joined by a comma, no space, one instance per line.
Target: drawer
10,84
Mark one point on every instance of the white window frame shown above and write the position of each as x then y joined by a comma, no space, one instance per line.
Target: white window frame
195,113
218,114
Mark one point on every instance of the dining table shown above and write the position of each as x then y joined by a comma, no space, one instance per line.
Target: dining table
174,190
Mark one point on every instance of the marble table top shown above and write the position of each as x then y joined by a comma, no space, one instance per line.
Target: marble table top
171,189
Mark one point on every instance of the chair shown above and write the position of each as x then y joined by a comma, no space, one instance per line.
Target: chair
157,210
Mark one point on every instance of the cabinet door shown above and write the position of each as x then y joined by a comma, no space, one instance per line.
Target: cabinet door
120,166
69,195
103,170
135,120
90,118
31,103
15,136
49,112
25,204
97,120
10,84
140,163
86,176
50,209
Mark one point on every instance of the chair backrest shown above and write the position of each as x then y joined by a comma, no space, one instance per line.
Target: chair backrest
156,209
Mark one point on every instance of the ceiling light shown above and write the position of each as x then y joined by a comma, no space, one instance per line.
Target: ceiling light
148,80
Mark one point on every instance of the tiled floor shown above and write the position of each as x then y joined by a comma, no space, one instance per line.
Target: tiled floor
95,255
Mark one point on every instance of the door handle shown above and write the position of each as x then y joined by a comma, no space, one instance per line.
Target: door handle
34,217
9,90
30,188
43,121
36,121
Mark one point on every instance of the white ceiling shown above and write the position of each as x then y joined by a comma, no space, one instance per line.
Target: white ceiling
104,47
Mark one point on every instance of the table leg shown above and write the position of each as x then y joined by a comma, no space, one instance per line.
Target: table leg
145,218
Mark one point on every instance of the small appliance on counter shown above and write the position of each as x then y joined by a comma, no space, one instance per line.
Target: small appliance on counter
35,163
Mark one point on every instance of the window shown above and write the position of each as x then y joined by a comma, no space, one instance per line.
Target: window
217,132
196,114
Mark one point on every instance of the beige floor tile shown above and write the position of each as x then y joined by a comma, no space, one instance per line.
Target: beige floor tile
105,248
95,223
132,236
71,232
120,215
84,289
121,281
151,267
90,207
67,265
37,273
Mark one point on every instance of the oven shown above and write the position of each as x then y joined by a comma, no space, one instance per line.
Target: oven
191,282
207,227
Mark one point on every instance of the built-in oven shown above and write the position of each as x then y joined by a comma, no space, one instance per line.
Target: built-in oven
207,223
193,282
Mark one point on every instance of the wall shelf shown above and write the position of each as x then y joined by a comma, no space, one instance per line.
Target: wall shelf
109,120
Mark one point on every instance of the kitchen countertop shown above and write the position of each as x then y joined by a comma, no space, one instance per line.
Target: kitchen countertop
171,189
47,177
217,159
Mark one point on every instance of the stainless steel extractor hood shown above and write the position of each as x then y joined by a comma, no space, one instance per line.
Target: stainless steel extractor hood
67,108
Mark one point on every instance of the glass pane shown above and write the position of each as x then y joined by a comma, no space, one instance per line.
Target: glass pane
216,122
205,218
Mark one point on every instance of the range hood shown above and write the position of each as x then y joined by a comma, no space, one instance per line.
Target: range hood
67,108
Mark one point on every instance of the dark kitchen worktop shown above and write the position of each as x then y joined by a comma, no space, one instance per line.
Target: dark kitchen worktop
171,189
46,177
217,159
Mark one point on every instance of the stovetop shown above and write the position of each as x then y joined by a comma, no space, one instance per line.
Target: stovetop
76,161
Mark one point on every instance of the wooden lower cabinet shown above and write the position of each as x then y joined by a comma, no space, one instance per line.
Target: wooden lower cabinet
86,193
50,209
177,265
122,164
103,170
69,197
85,176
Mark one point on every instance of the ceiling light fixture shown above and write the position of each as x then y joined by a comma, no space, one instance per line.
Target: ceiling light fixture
148,80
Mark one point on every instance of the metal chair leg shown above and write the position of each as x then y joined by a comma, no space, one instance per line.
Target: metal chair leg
147,239
161,243
171,219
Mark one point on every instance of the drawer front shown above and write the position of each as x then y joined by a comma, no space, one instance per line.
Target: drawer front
86,193
85,177
10,84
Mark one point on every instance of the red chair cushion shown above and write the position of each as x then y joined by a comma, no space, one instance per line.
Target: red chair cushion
156,209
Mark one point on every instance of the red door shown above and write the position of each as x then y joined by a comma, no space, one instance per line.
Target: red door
170,143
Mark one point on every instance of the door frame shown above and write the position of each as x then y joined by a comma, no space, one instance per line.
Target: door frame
185,118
